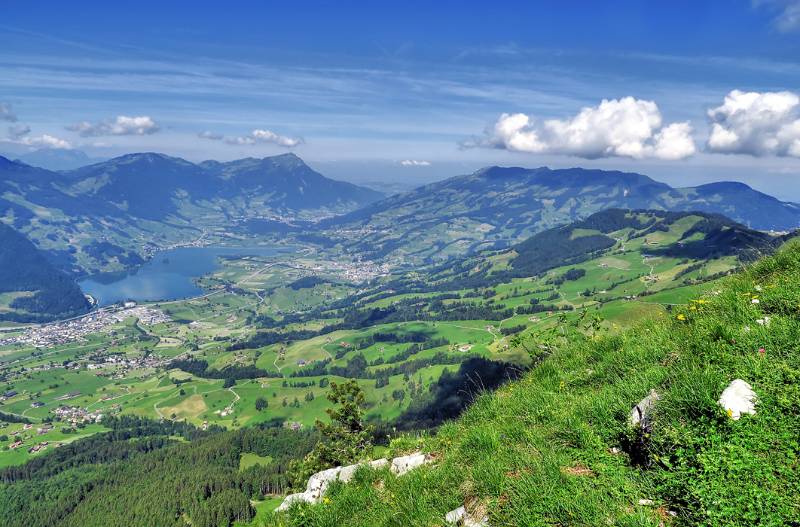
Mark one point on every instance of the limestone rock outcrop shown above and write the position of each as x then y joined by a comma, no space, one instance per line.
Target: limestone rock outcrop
318,483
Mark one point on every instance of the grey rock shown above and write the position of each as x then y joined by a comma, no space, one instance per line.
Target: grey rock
642,414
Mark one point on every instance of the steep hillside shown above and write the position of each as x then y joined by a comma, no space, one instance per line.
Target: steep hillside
31,289
566,445
699,235
498,206
673,245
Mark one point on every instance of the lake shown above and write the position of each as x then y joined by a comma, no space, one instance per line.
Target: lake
169,275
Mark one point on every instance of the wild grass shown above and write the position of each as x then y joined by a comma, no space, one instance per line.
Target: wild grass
555,448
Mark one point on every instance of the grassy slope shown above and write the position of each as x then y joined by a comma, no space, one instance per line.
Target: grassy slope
539,451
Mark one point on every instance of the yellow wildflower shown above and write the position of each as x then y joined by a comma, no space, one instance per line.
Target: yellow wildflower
681,316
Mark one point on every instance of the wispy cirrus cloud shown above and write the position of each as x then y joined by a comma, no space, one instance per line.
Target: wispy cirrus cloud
18,131
121,125
415,163
787,16
207,134
7,113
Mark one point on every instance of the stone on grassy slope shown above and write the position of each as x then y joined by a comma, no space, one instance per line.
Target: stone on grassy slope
291,499
347,473
642,413
460,517
738,398
403,464
318,483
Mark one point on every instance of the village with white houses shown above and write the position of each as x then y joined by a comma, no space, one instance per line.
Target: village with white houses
64,332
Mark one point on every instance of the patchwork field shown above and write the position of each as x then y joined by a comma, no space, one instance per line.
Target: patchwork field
271,340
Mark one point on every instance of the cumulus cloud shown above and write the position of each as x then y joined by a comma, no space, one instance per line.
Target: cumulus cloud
46,141
756,123
121,125
210,135
7,113
415,163
625,127
264,136
20,135
788,13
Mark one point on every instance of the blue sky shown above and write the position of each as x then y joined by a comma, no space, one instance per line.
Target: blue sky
359,88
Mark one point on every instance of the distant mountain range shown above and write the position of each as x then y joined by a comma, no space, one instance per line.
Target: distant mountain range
130,202
496,207
108,215
58,159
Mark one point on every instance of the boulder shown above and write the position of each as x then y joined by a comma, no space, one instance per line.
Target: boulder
738,398
642,413
460,517
291,499
347,473
403,464
318,483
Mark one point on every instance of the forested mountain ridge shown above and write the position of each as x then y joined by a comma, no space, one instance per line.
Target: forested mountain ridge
704,236
32,288
499,206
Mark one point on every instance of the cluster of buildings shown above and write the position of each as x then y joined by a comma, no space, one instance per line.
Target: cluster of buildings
48,335
118,366
75,415
356,271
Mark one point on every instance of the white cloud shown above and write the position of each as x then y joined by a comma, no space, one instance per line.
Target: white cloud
210,135
20,135
788,13
7,113
264,136
758,124
46,141
121,125
415,163
625,127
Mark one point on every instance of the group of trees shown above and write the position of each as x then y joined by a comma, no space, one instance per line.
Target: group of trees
24,268
137,475
345,439
232,373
